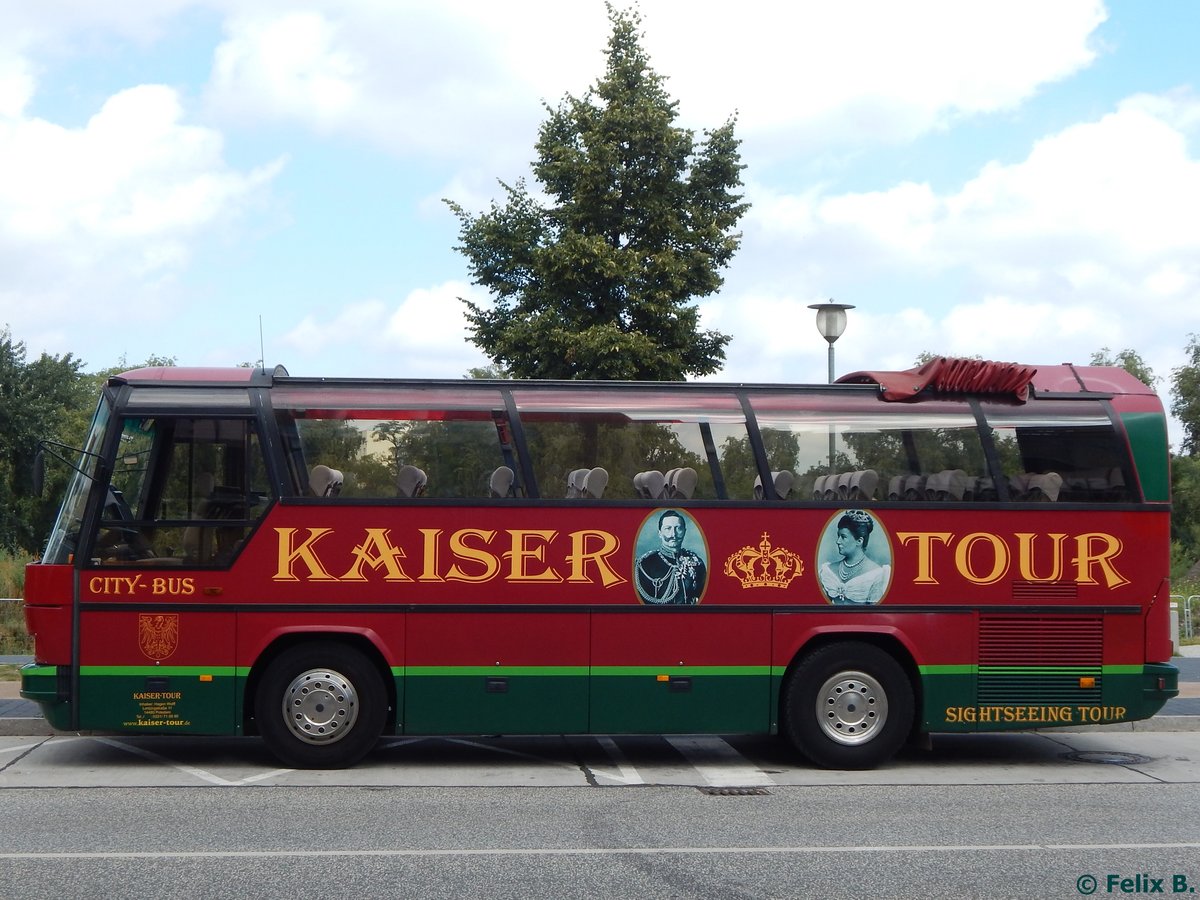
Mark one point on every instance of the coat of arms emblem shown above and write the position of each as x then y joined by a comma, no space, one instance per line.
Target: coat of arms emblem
158,634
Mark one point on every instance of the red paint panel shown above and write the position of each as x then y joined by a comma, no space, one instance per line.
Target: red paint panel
687,637
154,638
931,638
48,585
258,630
500,639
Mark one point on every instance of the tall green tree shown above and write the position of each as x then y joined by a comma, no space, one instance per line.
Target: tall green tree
37,400
592,276
1185,396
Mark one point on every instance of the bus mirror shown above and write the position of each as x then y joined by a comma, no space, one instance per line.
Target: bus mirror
39,472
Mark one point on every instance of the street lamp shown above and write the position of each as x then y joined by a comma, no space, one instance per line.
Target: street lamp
831,322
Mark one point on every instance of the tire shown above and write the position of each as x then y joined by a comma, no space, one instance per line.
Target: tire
848,706
320,705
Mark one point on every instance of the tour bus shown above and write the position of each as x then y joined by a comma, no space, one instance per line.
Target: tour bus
967,546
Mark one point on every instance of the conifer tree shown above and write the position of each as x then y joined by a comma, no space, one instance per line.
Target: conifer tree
592,275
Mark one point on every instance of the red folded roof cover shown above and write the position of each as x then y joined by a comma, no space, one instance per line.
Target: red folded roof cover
950,376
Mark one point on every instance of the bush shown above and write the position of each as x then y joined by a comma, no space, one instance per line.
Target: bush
14,639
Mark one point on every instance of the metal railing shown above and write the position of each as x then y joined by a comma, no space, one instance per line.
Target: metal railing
1186,611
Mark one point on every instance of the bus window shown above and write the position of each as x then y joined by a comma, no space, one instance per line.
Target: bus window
849,448
184,491
401,441
1065,451
640,441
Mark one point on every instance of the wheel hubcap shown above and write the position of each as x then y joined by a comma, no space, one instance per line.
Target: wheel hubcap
320,706
851,707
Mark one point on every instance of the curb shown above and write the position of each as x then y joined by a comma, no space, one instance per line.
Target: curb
1154,724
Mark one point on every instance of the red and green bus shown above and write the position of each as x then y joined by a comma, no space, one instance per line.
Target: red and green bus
968,546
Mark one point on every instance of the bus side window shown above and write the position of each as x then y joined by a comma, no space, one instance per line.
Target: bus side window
1064,451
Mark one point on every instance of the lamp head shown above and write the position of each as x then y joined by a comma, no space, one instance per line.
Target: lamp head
831,319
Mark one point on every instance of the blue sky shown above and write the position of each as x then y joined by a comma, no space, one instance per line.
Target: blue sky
1012,180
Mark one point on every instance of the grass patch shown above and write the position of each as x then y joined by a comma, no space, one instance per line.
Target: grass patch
13,637
9,673
12,575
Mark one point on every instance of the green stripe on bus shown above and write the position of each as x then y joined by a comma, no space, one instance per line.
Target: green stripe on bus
975,669
476,671
159,671
553,671
968,669
35,671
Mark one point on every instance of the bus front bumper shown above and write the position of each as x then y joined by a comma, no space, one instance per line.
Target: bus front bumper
44,685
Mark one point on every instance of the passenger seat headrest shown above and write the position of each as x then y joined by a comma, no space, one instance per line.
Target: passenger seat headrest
410,481
324,481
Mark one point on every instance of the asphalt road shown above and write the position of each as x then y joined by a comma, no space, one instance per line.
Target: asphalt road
829,841
1048,814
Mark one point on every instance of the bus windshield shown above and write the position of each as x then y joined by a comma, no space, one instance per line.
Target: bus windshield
65,535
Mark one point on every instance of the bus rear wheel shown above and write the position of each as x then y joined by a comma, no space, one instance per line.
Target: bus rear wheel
320,706
848,706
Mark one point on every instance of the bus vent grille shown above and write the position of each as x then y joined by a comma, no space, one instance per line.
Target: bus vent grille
1040,590
1040,659
1036,687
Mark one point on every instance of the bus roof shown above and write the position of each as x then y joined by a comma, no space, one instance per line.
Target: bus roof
939,376
231,375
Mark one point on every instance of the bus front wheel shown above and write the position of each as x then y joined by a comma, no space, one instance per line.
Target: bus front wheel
848,706
320,705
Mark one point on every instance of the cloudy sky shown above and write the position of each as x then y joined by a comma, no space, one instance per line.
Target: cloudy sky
1018,180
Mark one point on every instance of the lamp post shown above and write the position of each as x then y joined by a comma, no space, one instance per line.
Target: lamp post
831,322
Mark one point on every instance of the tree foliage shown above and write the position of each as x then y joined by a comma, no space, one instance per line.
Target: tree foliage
39,399
638,219
1185,396
1129,360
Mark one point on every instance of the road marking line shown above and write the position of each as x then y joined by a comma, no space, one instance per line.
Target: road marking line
580,851
628,774
718,763
194,771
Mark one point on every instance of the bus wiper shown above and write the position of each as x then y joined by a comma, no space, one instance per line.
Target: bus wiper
52,447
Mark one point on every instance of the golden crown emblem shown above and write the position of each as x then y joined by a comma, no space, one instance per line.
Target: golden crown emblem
764,565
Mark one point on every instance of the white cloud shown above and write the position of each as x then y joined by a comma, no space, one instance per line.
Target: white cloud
1113,197
16,85
295,66
466,79
134,176
423,335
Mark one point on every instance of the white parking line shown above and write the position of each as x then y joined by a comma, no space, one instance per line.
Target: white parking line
194,771
628,774
718,763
